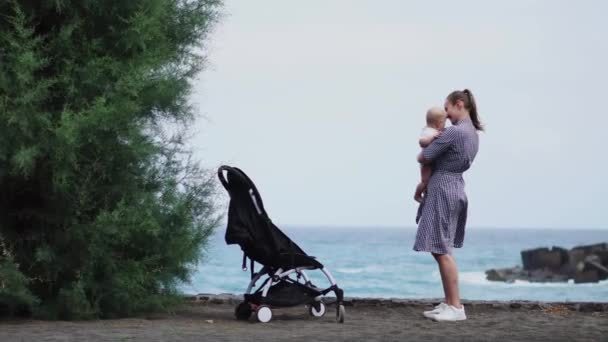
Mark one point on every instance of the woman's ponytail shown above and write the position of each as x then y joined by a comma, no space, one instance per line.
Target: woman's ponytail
467,98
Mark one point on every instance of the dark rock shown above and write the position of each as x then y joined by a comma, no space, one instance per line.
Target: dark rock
576,257
528,257
545,276
495,275
591,276
594,262
540,258
508,275
603,257
590,249
588,263
563,252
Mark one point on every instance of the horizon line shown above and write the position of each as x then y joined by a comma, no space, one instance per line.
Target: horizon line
477,227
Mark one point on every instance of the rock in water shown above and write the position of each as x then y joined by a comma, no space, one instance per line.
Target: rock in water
584,264
591,276
540,258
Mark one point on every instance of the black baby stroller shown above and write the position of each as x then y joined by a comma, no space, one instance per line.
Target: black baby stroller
283,263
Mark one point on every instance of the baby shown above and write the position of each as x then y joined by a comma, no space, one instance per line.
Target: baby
435,123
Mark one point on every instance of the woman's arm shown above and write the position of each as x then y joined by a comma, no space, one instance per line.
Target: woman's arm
438,146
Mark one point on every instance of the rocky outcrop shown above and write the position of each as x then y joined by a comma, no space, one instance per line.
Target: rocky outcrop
583,264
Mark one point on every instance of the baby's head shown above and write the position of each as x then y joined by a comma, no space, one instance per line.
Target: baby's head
435,118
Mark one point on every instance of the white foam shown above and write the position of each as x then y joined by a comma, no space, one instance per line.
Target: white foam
364,269
479,278
350,270
475,278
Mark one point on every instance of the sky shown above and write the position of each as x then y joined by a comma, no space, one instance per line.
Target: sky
321,103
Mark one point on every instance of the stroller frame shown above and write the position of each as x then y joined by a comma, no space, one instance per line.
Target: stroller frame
278,289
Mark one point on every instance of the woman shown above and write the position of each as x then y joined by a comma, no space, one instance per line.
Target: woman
442,214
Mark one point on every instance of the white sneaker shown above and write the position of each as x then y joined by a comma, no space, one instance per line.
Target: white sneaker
450,313
437,309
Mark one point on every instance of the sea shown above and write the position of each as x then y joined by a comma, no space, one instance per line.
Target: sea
380,263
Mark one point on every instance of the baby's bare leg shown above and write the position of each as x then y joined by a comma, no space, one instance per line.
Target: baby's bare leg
425,174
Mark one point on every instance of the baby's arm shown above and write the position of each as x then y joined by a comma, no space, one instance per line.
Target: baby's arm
427,140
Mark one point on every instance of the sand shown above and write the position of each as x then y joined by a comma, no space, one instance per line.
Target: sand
211,319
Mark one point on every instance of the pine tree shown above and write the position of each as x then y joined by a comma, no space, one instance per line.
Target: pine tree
103,211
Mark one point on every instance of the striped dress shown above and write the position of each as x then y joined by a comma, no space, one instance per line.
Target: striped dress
442,215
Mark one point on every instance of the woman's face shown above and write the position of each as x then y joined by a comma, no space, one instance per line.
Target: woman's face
454,111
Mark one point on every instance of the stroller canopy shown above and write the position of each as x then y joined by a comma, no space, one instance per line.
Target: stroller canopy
250,227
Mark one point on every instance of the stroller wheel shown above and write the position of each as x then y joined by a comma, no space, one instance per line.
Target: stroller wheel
243,311
317,309
340,313
264,314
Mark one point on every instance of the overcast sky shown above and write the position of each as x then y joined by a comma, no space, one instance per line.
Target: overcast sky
321,103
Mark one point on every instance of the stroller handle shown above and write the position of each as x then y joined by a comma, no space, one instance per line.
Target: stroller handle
220,175
253,191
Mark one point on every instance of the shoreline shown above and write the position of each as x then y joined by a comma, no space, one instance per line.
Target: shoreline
579,306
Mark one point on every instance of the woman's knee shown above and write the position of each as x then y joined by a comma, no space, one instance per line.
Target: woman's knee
441,258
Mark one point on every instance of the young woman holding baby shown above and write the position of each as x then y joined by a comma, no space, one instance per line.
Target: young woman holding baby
442,213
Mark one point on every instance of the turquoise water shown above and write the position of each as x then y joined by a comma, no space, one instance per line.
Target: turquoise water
381,263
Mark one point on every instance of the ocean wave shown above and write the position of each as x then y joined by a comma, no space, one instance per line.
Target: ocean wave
479,278
364,269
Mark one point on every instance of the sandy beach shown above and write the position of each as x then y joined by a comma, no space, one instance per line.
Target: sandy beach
210,318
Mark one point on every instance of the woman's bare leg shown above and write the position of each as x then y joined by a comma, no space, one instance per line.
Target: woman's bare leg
449,278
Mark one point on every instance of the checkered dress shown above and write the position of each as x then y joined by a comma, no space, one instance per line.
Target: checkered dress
442,215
